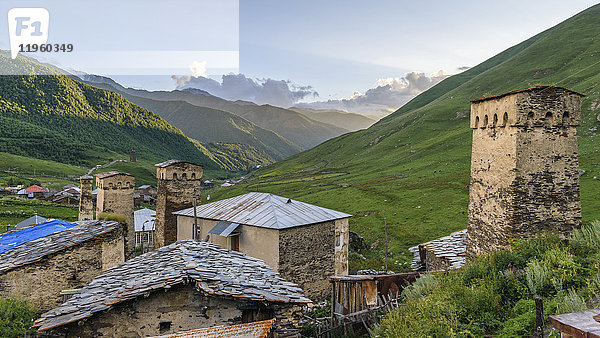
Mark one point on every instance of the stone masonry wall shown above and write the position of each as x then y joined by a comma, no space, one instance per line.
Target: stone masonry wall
41,282
342,241
524,168
86,202
178,184
306,257
177,309
115,196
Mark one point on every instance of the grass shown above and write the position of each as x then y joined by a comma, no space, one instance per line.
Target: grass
494,294
413,167
13,210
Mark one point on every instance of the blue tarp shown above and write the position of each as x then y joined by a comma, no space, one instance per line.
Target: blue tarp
15,238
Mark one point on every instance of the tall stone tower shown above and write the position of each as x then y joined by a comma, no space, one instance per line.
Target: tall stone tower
86,202
178,183
524,167
115,196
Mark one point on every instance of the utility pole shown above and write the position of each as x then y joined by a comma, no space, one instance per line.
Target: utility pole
386,244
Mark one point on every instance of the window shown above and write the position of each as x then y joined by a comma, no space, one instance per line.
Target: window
485,121
164,326
565,118
235,243
548,119
477,122
184,176
495,122
505,119
193,176
174,176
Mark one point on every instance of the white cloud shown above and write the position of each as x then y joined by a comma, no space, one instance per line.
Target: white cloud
239,87
390,94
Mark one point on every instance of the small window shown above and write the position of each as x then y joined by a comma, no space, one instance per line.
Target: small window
485,121
505,119
184,176
163,327
174,176
495,122
530,119
565,118
548,119
193,176
477,122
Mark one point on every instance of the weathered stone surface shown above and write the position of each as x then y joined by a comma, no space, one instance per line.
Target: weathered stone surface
524,167
212,271
69,259
86,202
115,196
178,183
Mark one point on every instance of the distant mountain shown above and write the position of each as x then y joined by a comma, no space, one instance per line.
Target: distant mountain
297,128
350,121
54,117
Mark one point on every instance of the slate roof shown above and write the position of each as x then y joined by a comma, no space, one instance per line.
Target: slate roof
32,246
171,162
249,330
264,210
452,248
215,271
111,173
530,89
143,215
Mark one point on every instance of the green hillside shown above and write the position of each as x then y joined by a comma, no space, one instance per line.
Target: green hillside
209,125
295,127
53,117
349,121
412,167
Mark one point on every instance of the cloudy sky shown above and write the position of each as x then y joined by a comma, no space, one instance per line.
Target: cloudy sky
356,55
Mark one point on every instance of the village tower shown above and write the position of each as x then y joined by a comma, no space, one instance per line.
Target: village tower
179,182
524,167
115,196
86,202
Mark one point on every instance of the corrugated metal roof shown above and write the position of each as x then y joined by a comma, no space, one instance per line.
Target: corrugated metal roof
35,219
142,216
264,210
223,228
249,330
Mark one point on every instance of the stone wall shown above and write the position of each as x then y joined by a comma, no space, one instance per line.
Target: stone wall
306,257
115,196
177,309
524,167
86,202
178,184
342,241
42,281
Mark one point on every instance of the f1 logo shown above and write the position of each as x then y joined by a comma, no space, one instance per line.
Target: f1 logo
27,26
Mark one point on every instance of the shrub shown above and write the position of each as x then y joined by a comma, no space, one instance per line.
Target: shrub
570,302
16,316
537,277
587,239
421,287
112,217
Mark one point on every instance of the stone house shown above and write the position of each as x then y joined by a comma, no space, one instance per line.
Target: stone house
442,254
144,220
187,285
305,243
42,260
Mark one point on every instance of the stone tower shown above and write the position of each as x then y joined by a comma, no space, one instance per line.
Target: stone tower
524,167
86,202
115,196
178,183
132,156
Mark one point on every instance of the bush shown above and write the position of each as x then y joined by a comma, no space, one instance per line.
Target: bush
587,239
112,217
537,277
570,302
16,316
420,288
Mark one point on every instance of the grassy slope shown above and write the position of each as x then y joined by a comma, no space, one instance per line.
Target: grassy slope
209,125
429,141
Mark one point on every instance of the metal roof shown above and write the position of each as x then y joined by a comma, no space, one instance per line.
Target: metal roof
142,216
213,270
578,324
35,219
264,210
223,228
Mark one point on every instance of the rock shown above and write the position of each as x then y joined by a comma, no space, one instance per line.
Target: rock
581,172
357,242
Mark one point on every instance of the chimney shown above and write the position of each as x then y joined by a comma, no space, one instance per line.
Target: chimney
86,203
